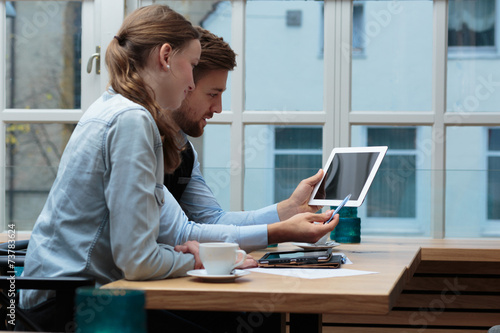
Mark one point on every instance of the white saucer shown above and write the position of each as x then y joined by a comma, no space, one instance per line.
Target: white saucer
326,245
202,274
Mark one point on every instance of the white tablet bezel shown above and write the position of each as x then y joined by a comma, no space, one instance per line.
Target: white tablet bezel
351,203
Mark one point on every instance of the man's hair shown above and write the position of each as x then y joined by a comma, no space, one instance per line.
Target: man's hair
215,54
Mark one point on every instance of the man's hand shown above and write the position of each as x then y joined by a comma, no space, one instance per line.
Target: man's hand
192,247
297,203
301,228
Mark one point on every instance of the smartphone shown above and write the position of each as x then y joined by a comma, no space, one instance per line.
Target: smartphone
339,207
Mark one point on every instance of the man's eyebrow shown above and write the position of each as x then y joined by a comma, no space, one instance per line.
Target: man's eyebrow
219,89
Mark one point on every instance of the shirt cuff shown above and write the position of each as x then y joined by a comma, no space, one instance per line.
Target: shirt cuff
267,215
253,237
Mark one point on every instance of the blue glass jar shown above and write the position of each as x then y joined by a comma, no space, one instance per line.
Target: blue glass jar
349,228
110,310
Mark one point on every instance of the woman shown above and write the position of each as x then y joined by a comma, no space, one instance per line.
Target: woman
101,218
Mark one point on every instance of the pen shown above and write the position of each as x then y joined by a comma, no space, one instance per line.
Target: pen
339,208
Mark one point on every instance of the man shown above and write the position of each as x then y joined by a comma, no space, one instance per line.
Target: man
191,211
289,220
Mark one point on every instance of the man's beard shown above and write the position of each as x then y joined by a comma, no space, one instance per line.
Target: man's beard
190,128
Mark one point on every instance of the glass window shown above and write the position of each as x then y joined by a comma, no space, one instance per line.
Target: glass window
494,140
33,155
297,138
388,198
493,191
395,72
42,72
472,181
215,160
297,156
43,55
471,23
493,194
277,158
283,69
358,45
399,198
473,63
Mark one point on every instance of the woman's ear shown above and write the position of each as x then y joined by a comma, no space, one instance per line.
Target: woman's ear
165,55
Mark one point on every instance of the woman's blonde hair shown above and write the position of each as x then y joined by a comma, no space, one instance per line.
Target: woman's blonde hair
141,33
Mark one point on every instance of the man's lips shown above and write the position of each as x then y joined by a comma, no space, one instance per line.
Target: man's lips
205,119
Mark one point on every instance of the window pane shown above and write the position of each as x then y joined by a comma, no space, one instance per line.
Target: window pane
284,55
394,71
494,188
212,15
494,174
298,138
276,159
358,45
33,155
472,183
215,160
398,202
43,55
471,23
397,138
394,199
290,169
494,139
473,63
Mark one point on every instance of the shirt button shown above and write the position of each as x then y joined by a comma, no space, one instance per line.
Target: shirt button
162,201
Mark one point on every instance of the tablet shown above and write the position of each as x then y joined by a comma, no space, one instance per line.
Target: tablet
348,170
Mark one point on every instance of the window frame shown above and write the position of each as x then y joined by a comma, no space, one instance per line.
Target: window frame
95,31
336,118
490,227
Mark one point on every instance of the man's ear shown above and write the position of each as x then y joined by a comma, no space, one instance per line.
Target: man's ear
165,55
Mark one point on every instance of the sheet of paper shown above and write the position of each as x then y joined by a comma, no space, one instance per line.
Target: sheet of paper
313,273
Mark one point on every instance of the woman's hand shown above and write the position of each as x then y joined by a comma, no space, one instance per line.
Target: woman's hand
192,247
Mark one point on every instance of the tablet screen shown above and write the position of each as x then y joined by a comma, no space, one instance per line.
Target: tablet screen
347,174
349,170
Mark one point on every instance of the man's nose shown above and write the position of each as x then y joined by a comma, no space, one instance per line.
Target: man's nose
217,107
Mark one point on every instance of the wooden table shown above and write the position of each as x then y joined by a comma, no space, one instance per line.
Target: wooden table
395,260
260,292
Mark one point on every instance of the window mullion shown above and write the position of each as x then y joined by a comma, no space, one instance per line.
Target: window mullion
330,135
284,117
344,87
237,165
439,63
3,44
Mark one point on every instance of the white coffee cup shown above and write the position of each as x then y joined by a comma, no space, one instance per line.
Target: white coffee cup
221,258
